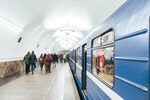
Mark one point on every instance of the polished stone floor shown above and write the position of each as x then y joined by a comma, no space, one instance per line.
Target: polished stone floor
57,85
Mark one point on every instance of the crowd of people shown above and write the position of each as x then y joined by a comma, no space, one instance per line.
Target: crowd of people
44,60
63,58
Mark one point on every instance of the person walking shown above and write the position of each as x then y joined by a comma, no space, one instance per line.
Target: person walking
48,59
68,57
61,58
27,62
41,61
33,61
58,58
55,58
64,58
52,55
44,55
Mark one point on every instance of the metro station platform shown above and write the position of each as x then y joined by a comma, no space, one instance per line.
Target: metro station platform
57,85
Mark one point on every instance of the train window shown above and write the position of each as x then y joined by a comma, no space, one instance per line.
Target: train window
78,55
103,60
97,41
108,38
103,65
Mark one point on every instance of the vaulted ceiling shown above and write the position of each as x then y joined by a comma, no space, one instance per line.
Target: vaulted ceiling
53,25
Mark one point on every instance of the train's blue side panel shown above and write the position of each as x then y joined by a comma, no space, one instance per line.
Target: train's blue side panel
78,73
94,92
132,78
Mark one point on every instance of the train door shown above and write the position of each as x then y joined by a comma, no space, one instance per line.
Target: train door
84,56
75,61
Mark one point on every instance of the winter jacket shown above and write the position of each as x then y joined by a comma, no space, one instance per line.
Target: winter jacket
46,63
33,59
64,56
26,59
55,57
41,60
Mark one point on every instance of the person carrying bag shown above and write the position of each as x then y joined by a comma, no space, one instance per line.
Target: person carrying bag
48,59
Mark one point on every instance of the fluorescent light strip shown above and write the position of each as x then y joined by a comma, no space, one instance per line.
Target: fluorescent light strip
10,24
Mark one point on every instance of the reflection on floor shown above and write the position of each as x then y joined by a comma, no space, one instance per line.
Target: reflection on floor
58,85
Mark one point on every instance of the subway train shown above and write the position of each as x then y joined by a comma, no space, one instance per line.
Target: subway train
112,62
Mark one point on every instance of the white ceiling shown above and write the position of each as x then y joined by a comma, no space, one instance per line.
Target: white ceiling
56,24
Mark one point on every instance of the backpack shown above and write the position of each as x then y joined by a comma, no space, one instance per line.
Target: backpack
48,60
41,59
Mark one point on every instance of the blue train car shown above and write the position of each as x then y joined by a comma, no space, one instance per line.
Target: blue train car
113,61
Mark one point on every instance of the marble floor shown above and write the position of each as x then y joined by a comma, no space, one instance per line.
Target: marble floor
57,85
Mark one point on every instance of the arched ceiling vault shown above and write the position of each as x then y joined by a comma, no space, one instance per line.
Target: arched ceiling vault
54,25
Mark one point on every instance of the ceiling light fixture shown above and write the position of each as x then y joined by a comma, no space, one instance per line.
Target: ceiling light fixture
68,33
67,30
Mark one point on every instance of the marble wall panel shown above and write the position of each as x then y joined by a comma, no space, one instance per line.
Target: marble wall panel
12,67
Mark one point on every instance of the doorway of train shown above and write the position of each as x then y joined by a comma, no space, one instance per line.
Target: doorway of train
84,56
75,62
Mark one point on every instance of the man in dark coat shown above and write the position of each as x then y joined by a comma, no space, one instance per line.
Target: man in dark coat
61,58
55,58
27,62
33,61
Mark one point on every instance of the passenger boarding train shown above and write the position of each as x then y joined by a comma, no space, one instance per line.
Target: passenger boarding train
112,63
